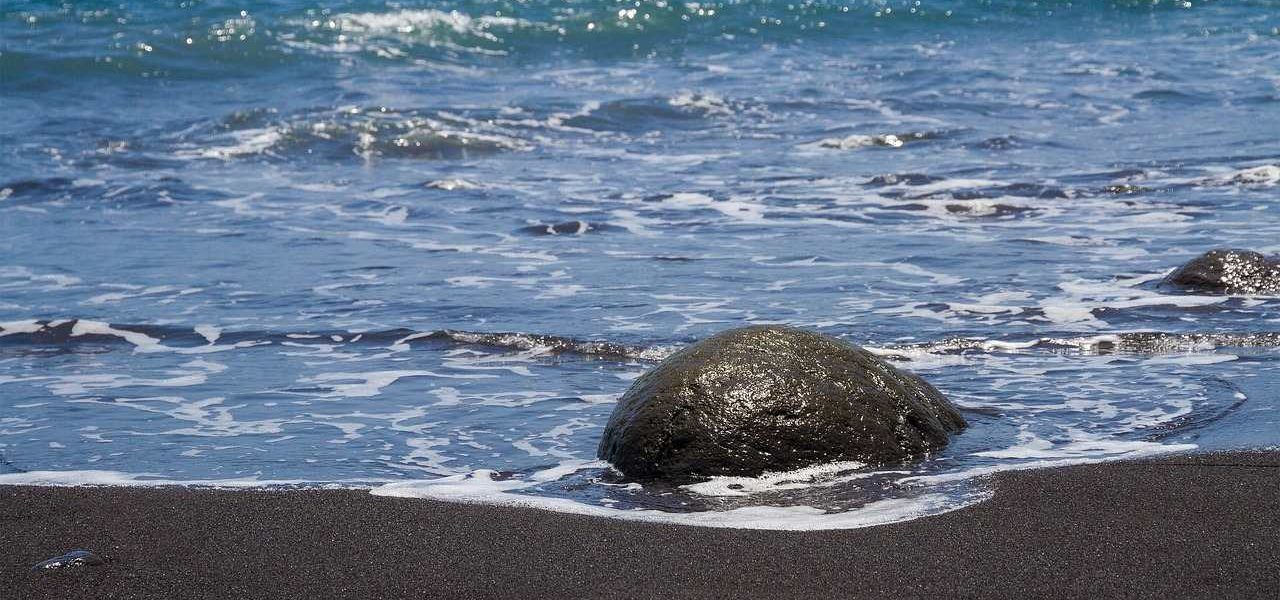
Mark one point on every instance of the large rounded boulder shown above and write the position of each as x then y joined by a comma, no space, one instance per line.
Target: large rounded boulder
1229,272
770,398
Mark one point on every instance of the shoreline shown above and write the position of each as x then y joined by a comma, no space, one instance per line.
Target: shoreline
1177,525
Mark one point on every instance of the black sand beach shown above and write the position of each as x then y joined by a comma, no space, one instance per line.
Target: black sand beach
1192,526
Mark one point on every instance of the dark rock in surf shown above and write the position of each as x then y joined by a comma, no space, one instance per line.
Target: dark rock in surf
902,179
770,398
1004,142
1124,189
988,210
1229,271
566,228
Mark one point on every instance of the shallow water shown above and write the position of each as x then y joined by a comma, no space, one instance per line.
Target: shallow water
273,247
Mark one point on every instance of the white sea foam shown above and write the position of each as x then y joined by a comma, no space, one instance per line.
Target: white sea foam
486,487
1071,240
1191,359
49,281
858,141
562,291
207,417
209,332
145,343
425,456
406,22
123,479
1260,175
72,478
922,359
142,341
368,385
243,143
450,185
736,209
15,327
140,292
588,400
393,215
898,267
1081,445
771,481
1115,450
710,104
1082,297
390,34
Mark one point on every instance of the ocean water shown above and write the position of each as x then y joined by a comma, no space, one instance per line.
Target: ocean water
424,247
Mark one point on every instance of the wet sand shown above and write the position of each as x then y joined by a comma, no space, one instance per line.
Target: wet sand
1189,526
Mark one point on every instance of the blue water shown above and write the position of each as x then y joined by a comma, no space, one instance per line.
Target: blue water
228,232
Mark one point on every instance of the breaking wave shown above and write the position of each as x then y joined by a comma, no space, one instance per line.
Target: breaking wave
161,338
348,132
206,339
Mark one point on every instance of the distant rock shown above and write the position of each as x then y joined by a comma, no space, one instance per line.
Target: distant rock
902,179
1229,271
772,398
1124,189
74,558
888,140
1004,142
566,228
982,209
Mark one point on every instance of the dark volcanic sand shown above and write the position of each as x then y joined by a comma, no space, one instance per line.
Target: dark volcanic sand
1197,526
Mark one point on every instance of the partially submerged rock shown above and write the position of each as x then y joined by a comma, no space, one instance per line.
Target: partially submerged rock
1229,271
771,398
566,228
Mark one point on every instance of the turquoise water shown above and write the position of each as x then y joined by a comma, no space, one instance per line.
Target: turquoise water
264,244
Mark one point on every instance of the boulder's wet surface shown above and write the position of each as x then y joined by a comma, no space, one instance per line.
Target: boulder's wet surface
754,400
